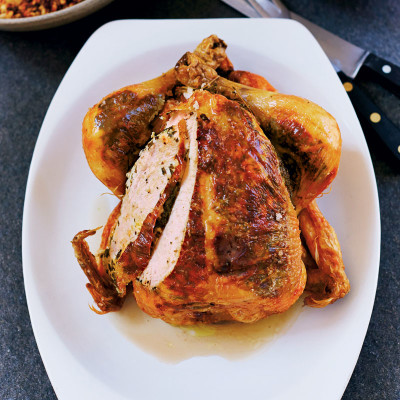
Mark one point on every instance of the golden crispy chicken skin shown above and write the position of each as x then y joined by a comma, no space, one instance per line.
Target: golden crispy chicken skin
212,203
241,255
118,127
250,79
328,282
326,279
305,135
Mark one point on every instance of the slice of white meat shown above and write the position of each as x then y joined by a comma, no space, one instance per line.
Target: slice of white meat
167,250
146,182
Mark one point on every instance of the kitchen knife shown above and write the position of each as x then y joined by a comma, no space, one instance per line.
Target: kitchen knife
372,115
348,59
344,56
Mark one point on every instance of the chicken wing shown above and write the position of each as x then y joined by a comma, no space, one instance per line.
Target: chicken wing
328,282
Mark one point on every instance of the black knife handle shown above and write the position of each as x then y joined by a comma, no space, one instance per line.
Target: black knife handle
387,73
376,119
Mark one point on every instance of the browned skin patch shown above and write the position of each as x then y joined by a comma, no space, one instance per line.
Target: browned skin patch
212,51
328,282
255,268
117,128
250,79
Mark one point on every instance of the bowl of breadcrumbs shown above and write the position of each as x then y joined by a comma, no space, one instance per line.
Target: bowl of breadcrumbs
26,15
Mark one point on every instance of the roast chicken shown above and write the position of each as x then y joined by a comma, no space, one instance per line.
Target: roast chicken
217,175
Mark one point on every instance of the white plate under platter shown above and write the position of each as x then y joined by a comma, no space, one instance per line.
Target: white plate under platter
131,356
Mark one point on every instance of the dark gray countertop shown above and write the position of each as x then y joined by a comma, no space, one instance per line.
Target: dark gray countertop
31,68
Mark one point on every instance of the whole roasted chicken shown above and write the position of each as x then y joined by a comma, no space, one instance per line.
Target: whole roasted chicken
217,174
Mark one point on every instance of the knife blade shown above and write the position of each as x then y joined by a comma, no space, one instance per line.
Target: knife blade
344,56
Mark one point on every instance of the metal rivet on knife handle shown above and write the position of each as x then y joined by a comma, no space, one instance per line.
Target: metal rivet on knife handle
375,117
348,86
387,69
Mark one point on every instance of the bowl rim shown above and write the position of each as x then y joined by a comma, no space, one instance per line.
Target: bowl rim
76,11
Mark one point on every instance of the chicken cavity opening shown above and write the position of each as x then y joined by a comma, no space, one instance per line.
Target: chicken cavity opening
167,250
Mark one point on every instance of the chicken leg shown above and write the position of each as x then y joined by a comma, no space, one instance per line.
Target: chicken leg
118,127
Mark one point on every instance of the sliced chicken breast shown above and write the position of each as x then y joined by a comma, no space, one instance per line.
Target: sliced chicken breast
152,181
167,250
